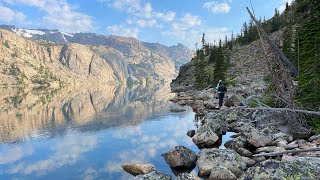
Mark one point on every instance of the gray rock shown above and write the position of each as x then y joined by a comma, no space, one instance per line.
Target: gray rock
299,168
292,145
314,137
303,144
174,99
138,168
177,110
153,176
281,143
187,176
249,162
244,152
259,159
209,159
182,102
259,139
191,133
236,143
268,149
283,136
229,103
180,157
221,173
203,95
205,139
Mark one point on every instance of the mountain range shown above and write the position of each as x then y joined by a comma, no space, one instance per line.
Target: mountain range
41,56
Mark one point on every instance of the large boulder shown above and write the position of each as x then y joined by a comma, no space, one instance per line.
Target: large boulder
138,168
298,168
153,176
315,139
259,138
180,157
203,95
244,152
210,159
236,143
187,176
221,173
205,138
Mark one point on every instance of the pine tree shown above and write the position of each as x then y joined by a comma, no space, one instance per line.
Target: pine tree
289,45
309,81
220,64
276,21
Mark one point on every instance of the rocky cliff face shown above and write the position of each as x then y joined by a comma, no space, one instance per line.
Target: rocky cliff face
25,62
129,58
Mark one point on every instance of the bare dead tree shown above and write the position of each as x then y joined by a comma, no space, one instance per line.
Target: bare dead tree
283,71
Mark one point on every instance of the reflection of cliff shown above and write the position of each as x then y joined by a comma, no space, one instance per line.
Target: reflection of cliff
23,111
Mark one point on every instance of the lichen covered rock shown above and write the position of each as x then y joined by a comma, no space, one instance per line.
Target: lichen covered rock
153,176
138,168
180,157
209,159
298,168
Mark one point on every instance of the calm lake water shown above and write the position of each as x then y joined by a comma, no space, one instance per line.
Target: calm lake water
88,133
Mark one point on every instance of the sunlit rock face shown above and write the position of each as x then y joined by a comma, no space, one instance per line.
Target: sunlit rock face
92,56
44,84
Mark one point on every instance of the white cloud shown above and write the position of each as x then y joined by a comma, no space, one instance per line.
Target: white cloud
59,14
16,153
190,20
146,23
9,15
141,10
66,152
167,16
193,35
186,22
216,7
121,30
282,5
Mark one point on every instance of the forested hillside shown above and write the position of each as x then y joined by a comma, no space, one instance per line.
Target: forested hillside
296,31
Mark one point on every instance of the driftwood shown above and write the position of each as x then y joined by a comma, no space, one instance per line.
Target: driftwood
287,109
286,152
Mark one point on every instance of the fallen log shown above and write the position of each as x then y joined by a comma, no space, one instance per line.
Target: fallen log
286,152
287,109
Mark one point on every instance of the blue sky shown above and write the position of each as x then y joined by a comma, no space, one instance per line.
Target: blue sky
164,21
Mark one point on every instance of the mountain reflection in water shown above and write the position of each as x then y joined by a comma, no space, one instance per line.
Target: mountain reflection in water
88,133
24,112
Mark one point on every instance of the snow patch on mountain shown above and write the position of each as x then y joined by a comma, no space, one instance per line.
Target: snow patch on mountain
27,32
67,34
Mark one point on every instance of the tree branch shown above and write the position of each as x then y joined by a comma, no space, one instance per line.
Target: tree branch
287,109
288,151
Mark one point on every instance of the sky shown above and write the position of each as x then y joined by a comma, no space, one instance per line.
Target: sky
159,21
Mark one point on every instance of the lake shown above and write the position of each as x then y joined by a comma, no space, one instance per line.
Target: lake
88,133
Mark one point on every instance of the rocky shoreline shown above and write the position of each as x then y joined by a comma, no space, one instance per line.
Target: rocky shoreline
256,133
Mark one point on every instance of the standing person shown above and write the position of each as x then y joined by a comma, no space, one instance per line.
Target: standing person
221,89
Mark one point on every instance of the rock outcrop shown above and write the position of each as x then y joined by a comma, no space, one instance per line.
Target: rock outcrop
219,159
138,168
180,157
299,168
153,175
84,57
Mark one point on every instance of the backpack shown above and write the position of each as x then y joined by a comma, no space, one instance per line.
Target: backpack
222,88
